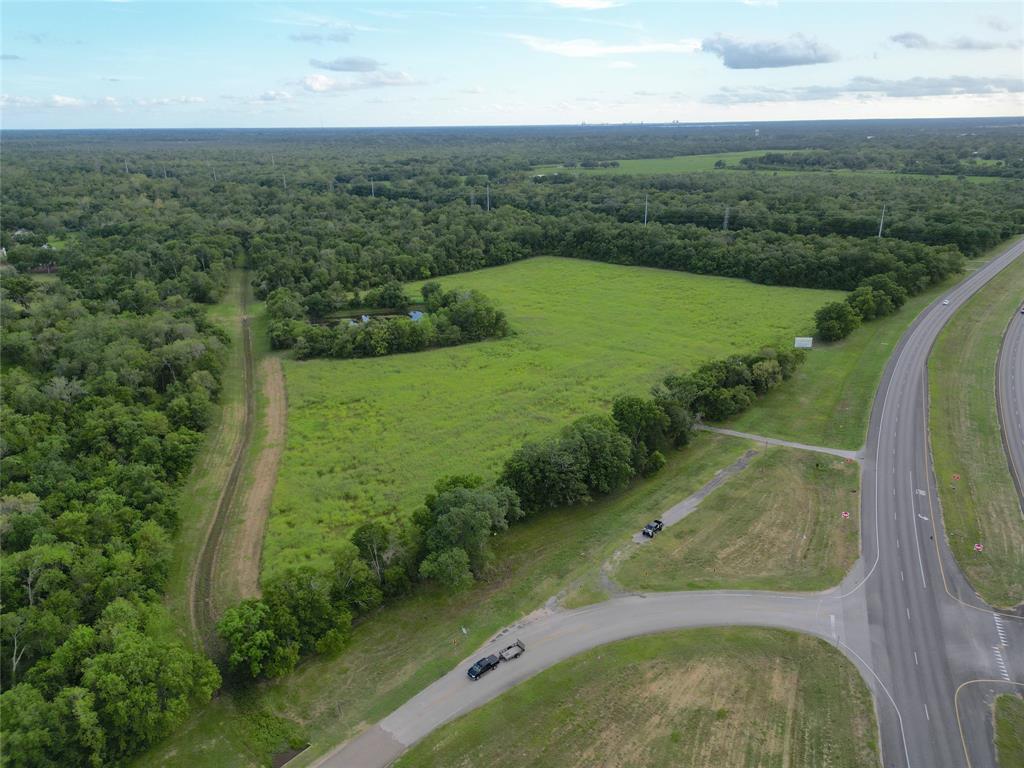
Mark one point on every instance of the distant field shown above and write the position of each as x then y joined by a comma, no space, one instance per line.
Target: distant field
656,165
701,698
982,507
777,525
368,438
693,163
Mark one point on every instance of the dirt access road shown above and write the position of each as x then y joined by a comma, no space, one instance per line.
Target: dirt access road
227,566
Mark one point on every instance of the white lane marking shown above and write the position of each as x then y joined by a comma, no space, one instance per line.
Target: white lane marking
916,662
901,576
926,715
897,542
917,539
908,614
832,621
1002,664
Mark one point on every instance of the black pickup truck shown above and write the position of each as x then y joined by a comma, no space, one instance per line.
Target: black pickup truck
483,666
487,663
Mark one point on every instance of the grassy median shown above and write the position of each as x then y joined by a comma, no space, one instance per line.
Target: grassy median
981,507
1009,727
701,698
777,525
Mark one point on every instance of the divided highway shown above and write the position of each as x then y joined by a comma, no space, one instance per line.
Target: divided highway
1010,389
933,653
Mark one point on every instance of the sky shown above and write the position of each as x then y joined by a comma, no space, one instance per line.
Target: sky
148,64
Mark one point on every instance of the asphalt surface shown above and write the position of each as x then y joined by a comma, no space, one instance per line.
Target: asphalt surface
1010,390
933,654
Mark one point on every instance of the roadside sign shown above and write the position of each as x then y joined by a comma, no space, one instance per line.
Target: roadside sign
979,547
803,342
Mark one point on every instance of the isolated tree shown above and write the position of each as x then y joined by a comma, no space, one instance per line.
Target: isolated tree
835,321
254,645
448,568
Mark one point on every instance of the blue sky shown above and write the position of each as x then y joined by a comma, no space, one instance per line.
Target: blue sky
226,64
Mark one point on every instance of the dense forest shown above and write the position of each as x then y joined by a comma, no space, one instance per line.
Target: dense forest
112,242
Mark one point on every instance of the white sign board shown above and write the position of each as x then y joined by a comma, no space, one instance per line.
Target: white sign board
803,342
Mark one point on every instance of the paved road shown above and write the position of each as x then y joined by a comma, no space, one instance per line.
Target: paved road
785,443
929,631
1010,388
904,615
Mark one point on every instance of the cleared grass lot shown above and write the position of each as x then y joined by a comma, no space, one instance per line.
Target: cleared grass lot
828,400
982,507
701,698
776,525
368,438
328,698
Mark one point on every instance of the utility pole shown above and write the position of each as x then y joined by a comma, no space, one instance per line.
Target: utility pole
372,193
488,197
881,221
126,165
284,181
725,222
645,210
273,164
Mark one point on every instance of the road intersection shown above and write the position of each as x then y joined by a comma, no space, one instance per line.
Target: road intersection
932,652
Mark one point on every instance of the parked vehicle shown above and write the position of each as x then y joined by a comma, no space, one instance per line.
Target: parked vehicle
514,651
652,528
483,666
945,302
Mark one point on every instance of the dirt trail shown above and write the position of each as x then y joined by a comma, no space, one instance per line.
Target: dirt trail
248,545
202,610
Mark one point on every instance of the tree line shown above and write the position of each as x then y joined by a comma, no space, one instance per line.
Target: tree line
448,318
446,542
105,399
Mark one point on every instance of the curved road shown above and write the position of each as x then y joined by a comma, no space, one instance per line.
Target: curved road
933,653
1010,389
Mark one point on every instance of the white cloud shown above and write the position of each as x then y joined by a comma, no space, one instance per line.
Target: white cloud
585,5
583,48
318,83
621,65
275,96
169,101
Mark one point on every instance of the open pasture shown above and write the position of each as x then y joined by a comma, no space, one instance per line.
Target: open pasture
368,438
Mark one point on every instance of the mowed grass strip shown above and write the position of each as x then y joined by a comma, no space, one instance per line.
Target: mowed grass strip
369,438
1009,727
398,651
828,400
982,506
701,698
776,525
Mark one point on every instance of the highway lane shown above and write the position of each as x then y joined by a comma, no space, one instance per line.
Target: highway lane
929,631
905,615
1010,391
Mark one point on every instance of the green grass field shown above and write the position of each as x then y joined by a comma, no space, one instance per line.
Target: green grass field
701,698
776,525
369,438
1009,727
656,165
828,401
982,507
328,697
